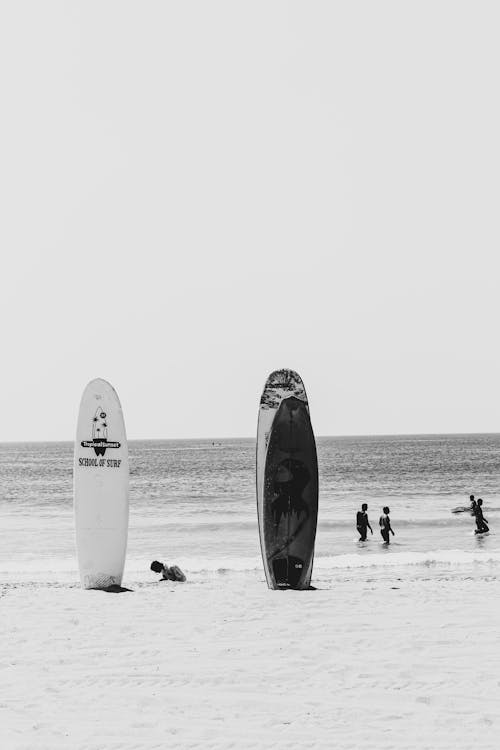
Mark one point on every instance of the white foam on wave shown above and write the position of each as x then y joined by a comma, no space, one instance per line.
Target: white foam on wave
398,559
455,557
65,568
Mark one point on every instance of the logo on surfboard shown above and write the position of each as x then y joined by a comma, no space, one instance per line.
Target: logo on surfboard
100,442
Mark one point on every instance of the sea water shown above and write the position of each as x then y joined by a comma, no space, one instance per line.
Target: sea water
192,502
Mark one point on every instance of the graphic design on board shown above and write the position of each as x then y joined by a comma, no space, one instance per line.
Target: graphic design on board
100,442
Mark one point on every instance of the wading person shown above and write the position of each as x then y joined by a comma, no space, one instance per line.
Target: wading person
362,523
385,524
481,521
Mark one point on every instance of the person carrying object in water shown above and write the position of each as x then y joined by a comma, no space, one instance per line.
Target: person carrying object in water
174,573
362,523
481,522
385,524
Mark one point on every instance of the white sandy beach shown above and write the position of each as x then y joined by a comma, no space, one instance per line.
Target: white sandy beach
399,661
210,210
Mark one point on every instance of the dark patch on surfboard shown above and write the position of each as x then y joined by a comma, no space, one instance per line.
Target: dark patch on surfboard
290,496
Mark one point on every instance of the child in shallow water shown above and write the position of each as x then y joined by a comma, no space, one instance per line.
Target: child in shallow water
385,524
174,573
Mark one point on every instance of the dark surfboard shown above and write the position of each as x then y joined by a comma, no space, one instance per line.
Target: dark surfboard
289,507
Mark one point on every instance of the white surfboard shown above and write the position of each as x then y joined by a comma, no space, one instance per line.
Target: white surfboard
101,487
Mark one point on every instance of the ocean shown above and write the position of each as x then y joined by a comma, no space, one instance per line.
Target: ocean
192,502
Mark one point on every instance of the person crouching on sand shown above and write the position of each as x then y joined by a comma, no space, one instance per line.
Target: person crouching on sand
362,523
385,524
174,573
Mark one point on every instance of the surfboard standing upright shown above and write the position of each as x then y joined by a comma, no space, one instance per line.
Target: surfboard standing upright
101,486
287,482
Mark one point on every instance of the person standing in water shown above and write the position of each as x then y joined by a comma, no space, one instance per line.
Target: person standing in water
385,524
473,505
362,523
481,522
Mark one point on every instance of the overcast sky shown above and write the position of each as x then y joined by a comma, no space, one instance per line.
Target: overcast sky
194,194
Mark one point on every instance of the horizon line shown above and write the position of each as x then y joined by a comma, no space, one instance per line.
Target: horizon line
248,437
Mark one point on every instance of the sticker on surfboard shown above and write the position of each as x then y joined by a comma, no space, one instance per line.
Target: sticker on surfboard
99,441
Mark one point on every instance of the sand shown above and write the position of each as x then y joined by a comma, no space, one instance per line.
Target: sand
399,661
